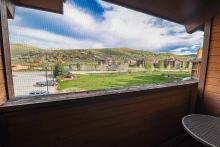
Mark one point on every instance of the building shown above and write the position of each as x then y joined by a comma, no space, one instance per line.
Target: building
196,65
170,63
132,117
17,67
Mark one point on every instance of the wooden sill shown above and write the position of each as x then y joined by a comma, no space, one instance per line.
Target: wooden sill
89,96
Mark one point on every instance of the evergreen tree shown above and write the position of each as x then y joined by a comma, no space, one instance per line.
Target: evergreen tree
58,70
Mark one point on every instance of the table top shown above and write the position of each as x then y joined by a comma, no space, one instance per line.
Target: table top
204,128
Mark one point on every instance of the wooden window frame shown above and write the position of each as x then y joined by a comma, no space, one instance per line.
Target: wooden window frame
205,57
6,11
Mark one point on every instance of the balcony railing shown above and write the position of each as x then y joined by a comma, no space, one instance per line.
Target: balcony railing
138,116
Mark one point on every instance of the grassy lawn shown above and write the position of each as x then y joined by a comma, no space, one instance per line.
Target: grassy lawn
116,80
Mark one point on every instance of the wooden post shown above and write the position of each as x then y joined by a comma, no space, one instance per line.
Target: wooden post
204,65
205,56
5,51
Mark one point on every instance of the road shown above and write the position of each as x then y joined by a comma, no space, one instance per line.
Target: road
24,82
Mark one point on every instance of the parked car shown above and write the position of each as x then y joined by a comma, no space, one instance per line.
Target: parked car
112,68
38,92
47,83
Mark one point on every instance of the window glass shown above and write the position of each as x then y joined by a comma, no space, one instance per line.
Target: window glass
96,45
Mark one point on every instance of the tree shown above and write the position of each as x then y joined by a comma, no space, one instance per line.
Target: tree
148,66
78,66
161,65
58,70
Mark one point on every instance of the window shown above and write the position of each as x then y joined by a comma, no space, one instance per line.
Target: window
96,45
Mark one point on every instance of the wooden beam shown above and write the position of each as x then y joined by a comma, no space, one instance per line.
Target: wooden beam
198,20
55,6
195,25
132,4
10,9
5,47
205,56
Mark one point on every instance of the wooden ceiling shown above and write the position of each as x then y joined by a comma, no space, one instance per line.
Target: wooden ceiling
46,5
187,12
191,13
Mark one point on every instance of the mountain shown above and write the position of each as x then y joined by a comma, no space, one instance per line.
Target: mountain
19,49
26,52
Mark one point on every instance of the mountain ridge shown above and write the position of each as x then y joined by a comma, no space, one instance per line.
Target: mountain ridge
19,51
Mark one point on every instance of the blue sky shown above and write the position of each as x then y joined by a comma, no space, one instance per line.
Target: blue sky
96,24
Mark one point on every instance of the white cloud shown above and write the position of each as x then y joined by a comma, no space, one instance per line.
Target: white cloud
46,39
184,51
121,27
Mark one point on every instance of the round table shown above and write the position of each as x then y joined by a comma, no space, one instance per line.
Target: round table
204,128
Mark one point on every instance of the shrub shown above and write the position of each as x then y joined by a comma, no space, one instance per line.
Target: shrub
58,70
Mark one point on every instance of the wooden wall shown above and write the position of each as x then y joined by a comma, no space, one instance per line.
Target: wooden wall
134,119
2,81
212,84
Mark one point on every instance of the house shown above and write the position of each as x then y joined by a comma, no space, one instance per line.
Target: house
170,63
174,63
17,67
141,62
179,64
130,117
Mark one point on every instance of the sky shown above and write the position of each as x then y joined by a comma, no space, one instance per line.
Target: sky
89,24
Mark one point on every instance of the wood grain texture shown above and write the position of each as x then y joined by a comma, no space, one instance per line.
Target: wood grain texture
3,95
48,5
213,74
205,57
215,51
216,28
213,81
215,36
214,59
216,21
5,46
213,66
10,9
212,90
212,101
2,77
215,44
141,120
1,63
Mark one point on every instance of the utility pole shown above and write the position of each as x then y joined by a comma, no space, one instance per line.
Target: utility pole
47,81
46,73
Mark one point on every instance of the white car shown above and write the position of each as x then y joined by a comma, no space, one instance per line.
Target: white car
47,83
38,93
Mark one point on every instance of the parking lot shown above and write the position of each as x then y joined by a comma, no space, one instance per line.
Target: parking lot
25,82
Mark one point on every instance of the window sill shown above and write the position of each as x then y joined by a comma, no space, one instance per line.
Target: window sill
82,97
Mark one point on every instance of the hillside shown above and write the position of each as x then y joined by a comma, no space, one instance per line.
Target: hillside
24,53
19,49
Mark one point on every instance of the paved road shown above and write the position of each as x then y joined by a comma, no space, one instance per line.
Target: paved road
24,82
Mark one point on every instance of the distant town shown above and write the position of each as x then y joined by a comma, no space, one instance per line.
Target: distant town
65,70
31,58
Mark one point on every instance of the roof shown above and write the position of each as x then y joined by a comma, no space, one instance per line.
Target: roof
191,13
46,5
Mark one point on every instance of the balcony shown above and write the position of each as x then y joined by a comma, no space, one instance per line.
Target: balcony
132,117
137,116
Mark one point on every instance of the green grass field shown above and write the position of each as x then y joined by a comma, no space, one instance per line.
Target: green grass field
107,81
